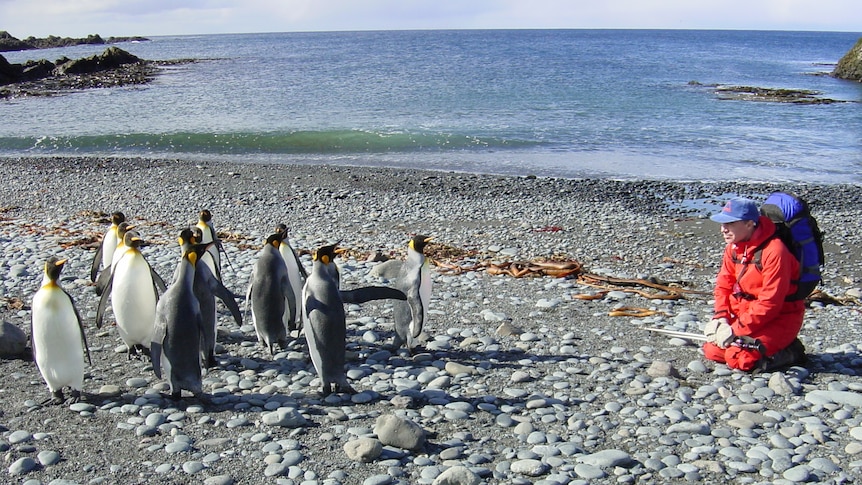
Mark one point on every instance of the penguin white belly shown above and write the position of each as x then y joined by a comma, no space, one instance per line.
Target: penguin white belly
211,260
293,275
424,295
211,257
134,301
295,280
57,340
109,245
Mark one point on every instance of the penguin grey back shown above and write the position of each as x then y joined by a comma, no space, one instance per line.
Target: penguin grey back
178,327
325,322
267,294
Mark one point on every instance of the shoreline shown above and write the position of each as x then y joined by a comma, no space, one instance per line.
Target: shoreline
552,402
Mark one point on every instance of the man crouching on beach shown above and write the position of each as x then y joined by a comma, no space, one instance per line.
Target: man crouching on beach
754,327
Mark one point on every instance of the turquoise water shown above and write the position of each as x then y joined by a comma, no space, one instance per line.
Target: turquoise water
570,103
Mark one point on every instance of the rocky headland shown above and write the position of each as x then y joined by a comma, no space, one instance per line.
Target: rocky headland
9,43
850,66
113,67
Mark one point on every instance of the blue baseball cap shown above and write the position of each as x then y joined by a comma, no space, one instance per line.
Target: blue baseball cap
738,209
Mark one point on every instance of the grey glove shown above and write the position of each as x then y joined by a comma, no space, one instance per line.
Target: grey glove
718,332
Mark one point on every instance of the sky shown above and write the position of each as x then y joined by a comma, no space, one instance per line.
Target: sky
79,18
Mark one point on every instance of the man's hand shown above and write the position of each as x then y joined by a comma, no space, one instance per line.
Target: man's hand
718,332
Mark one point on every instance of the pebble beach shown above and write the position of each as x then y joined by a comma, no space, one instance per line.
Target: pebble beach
529,380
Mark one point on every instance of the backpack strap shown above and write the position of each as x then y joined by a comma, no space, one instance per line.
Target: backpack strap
756,256
756,260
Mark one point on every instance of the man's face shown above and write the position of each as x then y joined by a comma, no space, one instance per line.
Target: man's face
738,231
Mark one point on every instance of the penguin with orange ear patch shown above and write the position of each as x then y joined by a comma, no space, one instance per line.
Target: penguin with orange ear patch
57,335
175,346
270,295
324,320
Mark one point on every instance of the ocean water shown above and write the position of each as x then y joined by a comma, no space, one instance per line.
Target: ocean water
564,103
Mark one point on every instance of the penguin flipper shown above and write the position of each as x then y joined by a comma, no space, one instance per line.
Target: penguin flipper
290,298
229,301
159,331
97,261
32,342
80,327
102,281
368,293
299,265
158,281
103,301
417,310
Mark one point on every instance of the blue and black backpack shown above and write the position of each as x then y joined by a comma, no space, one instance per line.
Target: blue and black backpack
799,231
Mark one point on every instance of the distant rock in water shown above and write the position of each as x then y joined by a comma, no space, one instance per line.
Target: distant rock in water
850,66
113,67
112,58
9,43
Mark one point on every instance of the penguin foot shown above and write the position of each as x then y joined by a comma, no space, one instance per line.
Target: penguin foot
345,387
56,399
138,351
326,389
75,397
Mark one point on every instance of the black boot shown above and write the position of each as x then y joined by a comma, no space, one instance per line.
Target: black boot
793,354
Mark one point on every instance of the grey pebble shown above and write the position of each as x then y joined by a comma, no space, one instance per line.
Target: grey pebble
22,466
48,457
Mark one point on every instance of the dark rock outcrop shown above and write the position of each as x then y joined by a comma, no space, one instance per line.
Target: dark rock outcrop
113,67
9,43
9,73
112,58
850,66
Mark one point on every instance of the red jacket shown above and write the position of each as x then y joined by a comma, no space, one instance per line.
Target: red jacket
757,305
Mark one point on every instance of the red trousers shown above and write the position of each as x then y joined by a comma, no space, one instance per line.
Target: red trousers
774,337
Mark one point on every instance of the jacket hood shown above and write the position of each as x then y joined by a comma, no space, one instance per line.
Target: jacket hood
765,229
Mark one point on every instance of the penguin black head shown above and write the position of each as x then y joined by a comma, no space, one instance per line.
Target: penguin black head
418,242
280,229
195,252
117,218
132,239
326,254
205,215
275,239
187,236
122,229
53,267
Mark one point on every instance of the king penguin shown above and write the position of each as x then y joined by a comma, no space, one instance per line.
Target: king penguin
209,235
207,287
414,279
134,290
105,253
58,340
176,337
270,296
296,276
324,320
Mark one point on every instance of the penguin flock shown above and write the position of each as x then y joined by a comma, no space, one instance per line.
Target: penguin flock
175,324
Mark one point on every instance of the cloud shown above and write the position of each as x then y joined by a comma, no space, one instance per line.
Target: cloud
165,17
